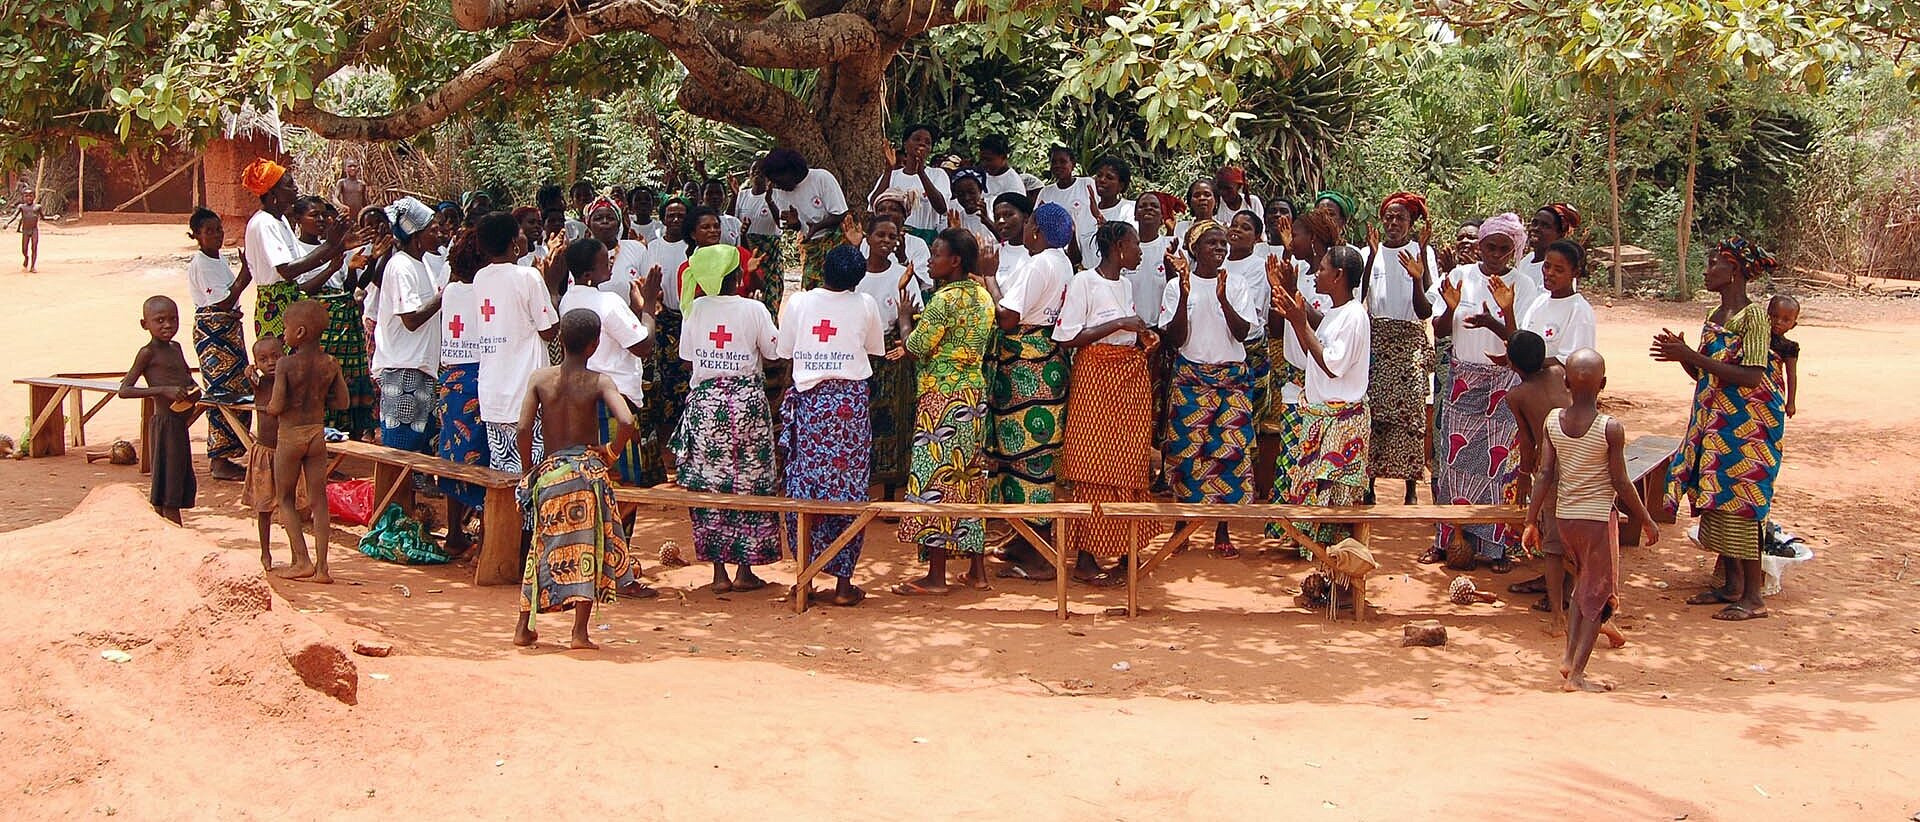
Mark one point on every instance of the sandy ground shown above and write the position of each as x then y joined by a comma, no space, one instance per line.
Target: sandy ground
1234,703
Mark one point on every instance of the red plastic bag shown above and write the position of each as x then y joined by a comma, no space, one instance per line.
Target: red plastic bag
350,501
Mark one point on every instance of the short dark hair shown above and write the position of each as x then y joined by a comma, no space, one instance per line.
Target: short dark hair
1783,302
581,255
1109,235
875,218
1345,259
1527,351
1060,149
694,215
497,231
549,197
304,203
1119,167
579,328
201,216
961,242
782,162
933,134
996,144
579,186
1576,256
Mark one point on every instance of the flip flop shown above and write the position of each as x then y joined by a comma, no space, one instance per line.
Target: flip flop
1537,585
1738,613
1433,556
859,596
1226,550
915,589
1011,571
1709,597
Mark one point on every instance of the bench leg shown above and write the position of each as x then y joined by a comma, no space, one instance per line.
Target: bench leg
1133,568
76,421
392,483
1653,491
1062,542
803,580
146,442
44,437
499,562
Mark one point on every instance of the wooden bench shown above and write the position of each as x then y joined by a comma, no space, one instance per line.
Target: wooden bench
1648,456
59,401
499,560
1194,516
1065,514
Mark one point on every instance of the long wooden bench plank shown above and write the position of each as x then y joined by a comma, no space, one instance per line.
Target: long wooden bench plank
1648,453
425,464
1466,514
71,382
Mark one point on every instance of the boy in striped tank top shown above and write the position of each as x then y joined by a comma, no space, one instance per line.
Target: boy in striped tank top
1583,468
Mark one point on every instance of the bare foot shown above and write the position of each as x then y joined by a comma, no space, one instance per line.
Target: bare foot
523,635
581,643
853,596
321,579
967,581
296,571
1615,639
721,586
746,581
1581,683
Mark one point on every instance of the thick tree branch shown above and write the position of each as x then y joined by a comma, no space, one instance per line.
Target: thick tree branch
799,44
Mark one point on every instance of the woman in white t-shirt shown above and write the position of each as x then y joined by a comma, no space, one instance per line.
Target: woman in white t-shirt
1210,449
929,193
1396,296
1562,318
1149,276
1550,224
724,443
833,334
1075,194
970,195
806,200
760,235
1335,426
1201,205
891,386
1107,452
909,250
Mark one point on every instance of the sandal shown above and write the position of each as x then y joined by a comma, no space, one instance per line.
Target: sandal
915,589
1433,556
1537,585
1739,613
1226,550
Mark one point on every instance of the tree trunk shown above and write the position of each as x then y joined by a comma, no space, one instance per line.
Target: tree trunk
1684,231
1613,182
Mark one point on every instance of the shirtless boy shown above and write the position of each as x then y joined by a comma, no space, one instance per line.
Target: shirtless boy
308,384
28,211
163,365
259,492
1542,388
579,555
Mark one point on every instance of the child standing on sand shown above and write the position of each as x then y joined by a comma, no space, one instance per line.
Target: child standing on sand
1583,465
308,384
163,365
28,212
579,554
259,493
218,339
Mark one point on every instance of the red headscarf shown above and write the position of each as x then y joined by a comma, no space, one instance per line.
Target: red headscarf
1169,205
1415,204
1568,215
1233,174
261,175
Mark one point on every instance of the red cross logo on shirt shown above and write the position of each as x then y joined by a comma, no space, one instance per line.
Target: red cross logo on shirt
825,330
486,310
720,337
456,326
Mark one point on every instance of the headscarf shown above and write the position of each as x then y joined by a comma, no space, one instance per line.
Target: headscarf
904,197
1752,259
1568,216
1233,174
1507,223
522,212
707,269
1199,229
466,199
408,216
261,175
978,177
1340,201
844,260
603,201
1415,204
1055,224
1020,202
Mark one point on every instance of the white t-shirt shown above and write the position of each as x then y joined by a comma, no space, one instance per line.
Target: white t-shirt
883,287
982,234
211,278
1150,279
270,244
1250,274
752,210
620,329
1248,202
336,278
630,264
1040,288
1078,200
1207,337
729,229
1013,260
726,336
459,313
437,267
514,308
406,287
817,196
1290,347
1567,324
1389,289
1477,345
829,335
1091,300
918,253
652,229
1346,340
1006,182
1532,269
1120,212
923,216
